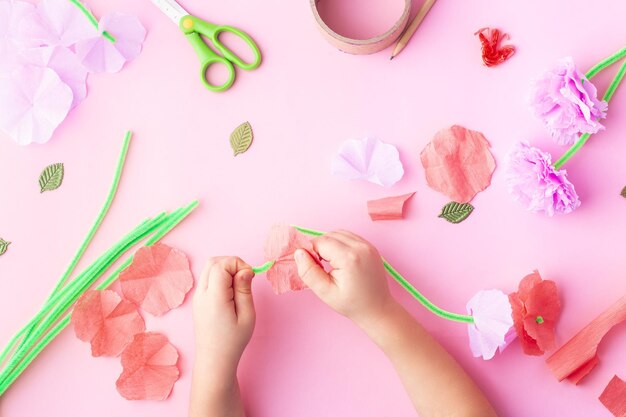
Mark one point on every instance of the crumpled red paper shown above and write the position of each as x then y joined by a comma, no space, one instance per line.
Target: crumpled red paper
458,163
106,321
158,279
388,208
149,368
614,397
536,309
281,244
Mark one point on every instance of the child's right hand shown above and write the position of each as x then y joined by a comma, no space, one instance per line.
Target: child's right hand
357,285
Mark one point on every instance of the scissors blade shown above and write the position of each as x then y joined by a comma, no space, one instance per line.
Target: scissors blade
172,9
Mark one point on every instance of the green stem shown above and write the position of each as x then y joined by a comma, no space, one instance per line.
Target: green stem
263,268
408,287
605,63
92,19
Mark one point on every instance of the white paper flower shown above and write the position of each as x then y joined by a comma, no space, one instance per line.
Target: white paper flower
368,159
493,323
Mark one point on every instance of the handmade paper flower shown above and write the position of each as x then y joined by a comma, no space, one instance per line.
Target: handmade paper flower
158,279
106,321
13,16
98,54
368,159
492,325
566,101
33,102
149,368
281,244
536,308
536,184
458,163
388,208
492,53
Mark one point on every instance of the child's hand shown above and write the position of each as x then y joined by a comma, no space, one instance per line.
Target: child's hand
223,311
357,285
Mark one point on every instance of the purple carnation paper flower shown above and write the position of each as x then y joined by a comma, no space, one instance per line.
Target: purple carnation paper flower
534,182
566,101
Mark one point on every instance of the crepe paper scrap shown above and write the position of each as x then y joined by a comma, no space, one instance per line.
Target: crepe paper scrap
105,320
241,138
455,212
149,368
4,246
492,53
33,102
458,163
368,159
577,358
536,309
98,54
566,102
158,279
51,177
623,193
388,208
492,325
614,397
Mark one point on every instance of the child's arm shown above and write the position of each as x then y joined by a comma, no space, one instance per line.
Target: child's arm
224,319
357,288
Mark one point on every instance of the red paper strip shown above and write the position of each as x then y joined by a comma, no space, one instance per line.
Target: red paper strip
492,54
578,356
614,397
389,208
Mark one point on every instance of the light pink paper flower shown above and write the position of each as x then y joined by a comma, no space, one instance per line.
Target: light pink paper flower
536,184
57,23
33,102
368,159
493,323
98,54
13,16
566,101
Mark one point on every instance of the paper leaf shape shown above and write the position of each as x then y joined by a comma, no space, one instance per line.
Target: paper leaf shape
389,208
623,193
106,321
4,245
458,163
455,212
368,159
241,138
158,279
51,177
491,330
281,244
614,397
149,368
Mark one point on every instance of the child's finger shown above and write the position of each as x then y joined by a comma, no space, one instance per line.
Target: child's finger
203,283
312,273
329,248
244,303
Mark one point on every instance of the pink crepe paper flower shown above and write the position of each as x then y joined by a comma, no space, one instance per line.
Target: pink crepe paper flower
98,54
368,159
492,325
536,184
566,101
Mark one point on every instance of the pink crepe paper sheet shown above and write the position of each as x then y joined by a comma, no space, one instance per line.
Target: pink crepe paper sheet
388,208
106,321
149,368
614,397
458,163
368,159
158,279
281,244
493,323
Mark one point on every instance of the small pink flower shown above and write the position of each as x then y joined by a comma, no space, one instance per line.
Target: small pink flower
492,329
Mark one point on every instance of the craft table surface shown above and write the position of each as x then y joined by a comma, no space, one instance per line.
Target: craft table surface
305,99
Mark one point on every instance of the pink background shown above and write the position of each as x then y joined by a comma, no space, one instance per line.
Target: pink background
305,99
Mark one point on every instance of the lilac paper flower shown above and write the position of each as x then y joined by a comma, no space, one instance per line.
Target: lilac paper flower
493,322
368,159
566,101
536,184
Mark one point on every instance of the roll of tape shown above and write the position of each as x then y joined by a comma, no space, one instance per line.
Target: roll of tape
362,46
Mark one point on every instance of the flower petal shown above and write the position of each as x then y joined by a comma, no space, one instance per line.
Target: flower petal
281,244
389,208
492,322
368,159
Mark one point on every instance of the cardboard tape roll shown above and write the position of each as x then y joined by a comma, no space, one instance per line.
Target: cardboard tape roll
362,46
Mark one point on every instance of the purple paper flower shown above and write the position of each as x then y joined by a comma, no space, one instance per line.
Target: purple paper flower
534,182
492,329
566,101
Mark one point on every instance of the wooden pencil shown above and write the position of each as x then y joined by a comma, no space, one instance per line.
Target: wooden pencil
410,31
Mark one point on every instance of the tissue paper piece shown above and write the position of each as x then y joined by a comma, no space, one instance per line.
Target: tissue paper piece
158,279
492,53
492,325
389,208
368,159
281,244
614,397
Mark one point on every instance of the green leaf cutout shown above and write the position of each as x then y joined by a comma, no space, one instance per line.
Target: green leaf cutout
4,245
51,177
623,193
241,138
456,212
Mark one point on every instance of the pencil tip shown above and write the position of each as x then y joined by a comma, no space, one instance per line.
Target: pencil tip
391,57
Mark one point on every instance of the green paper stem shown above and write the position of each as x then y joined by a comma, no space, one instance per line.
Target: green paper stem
92,19
605,63
263,268
408,287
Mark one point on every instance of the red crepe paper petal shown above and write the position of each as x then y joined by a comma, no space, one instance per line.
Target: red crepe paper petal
281,244
529,345
149,368
158,279
106,321
614,397
578,356
389,208
458,163
490,40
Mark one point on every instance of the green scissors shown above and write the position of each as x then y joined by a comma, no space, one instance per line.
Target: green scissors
196,29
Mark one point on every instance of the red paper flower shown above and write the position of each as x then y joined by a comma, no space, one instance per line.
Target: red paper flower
492,53
536,308
281,244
